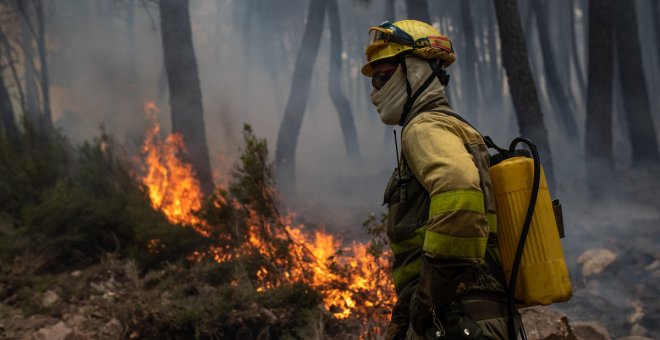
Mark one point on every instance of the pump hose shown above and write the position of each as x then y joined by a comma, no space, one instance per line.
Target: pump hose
523,235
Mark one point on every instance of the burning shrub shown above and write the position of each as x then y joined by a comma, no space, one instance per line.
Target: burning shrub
64,206
248,268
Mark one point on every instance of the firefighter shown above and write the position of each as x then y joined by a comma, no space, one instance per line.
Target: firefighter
441,210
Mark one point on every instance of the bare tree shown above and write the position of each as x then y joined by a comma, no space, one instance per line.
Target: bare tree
521,83
575,59
338,99
287,138
633,85
598,131
29,74
418,10
7,121
184,88
47,119
469,59
555,86
130,35
655,15
389,11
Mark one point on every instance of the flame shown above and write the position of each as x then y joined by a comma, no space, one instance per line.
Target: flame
171,183
352,282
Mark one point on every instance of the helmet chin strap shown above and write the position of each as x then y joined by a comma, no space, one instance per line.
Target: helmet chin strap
441,74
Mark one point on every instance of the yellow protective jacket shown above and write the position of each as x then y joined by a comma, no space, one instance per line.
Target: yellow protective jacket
450,160
441,214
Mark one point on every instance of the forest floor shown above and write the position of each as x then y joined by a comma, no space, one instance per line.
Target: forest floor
611,247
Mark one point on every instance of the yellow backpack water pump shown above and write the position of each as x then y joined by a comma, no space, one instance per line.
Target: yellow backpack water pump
529,229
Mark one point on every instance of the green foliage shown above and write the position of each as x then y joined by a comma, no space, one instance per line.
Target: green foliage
183,305
63,207
253,182
378,230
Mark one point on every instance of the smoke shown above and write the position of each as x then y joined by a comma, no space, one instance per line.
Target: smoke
245,52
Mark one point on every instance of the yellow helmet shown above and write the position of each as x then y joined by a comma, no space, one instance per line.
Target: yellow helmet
389,40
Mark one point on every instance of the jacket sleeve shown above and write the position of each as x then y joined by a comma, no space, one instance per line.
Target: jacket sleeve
457,228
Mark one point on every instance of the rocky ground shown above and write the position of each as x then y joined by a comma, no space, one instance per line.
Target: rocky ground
612,248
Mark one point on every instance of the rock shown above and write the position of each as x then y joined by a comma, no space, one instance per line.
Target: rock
594,261
75,321
544,323
79,336
113,328
59,331
98,288
49,298
653,266
638,311
590,331
634,337
638,330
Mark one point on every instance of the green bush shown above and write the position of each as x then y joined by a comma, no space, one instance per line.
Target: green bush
64,206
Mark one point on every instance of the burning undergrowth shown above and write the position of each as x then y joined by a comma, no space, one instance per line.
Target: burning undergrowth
263,248
184,266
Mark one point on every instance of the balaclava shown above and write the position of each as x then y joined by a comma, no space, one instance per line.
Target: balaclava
391,98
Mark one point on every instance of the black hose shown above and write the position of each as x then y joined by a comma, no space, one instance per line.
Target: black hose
523,234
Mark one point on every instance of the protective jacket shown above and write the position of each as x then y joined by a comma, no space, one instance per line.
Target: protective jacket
442,226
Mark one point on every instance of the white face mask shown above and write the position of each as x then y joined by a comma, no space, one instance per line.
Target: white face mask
391,98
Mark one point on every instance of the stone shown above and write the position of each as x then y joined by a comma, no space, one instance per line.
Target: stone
638,311
49,298
76,273
75,321
594,261
638,330
113,328
653,266
544,323
590,331
59,331
634,337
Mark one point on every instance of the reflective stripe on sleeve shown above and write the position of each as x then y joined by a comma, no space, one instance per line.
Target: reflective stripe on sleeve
454,247
455,200
492,223
416,241
407,272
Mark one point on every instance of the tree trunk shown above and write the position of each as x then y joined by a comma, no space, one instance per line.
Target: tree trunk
14,72
521,83
27,40
494,92
555,86
47,118
575,53
184,88
130,35
287,138
390,11
342,105
633,85
598,129
7,119
469,59
418,10
655,18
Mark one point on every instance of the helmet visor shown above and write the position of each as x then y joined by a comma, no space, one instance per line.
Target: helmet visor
378,36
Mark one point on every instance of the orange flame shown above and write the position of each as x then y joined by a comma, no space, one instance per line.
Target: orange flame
171,183
352,282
